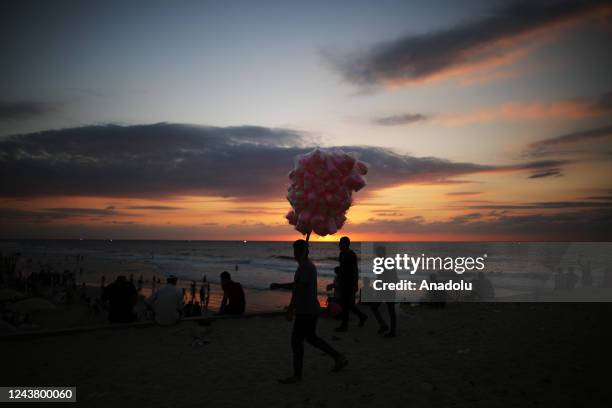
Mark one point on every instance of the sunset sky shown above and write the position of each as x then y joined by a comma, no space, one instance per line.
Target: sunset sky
483,120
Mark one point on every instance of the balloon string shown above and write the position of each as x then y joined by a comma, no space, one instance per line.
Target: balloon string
308,236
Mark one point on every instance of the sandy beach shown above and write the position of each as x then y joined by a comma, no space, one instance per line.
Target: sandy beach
466,355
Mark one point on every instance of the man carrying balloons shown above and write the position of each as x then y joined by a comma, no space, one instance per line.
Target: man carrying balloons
322,183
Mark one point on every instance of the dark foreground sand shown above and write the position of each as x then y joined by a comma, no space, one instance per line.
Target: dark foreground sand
467,355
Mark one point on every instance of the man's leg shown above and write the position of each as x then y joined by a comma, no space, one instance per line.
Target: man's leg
346,305
297,346
311,337
351,307
300,327
381,322
362,316
392,318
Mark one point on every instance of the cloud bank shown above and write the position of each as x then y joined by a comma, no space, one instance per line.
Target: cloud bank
569,143
23,110
397,120
492,40
164,160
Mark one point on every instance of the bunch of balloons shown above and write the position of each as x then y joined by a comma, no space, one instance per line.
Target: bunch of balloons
322,184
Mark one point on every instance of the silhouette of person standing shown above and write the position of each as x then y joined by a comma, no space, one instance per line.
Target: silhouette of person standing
305,305
348,284
389,276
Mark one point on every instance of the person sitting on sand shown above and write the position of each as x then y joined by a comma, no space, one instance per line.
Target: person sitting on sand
305,305
167,303
233,301
121,296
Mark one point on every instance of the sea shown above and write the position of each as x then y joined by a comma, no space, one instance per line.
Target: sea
516,266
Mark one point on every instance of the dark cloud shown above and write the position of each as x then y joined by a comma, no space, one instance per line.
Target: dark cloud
153,207
543,205
22,110
608,197
461,219
387,213
252,211
464,193
164,160
15,214
546,173
575,142
591,225
79,211
470,43
52,214
398,120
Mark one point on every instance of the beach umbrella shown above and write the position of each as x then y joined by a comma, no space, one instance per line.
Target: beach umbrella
31,305
321,189
10,294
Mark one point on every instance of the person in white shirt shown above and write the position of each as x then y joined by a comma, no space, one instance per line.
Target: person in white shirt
167,303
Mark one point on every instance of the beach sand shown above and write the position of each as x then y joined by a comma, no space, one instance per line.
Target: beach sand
466,355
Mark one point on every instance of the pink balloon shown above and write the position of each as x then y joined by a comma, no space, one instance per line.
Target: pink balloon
331,226
340,220
304,217
355,182
361,168
320,193
291,217
331,199
303,228
332,170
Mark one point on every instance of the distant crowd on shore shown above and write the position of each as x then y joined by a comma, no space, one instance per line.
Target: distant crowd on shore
124,300
568,279
62,283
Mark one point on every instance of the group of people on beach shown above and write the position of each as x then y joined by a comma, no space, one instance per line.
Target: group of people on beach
167,304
